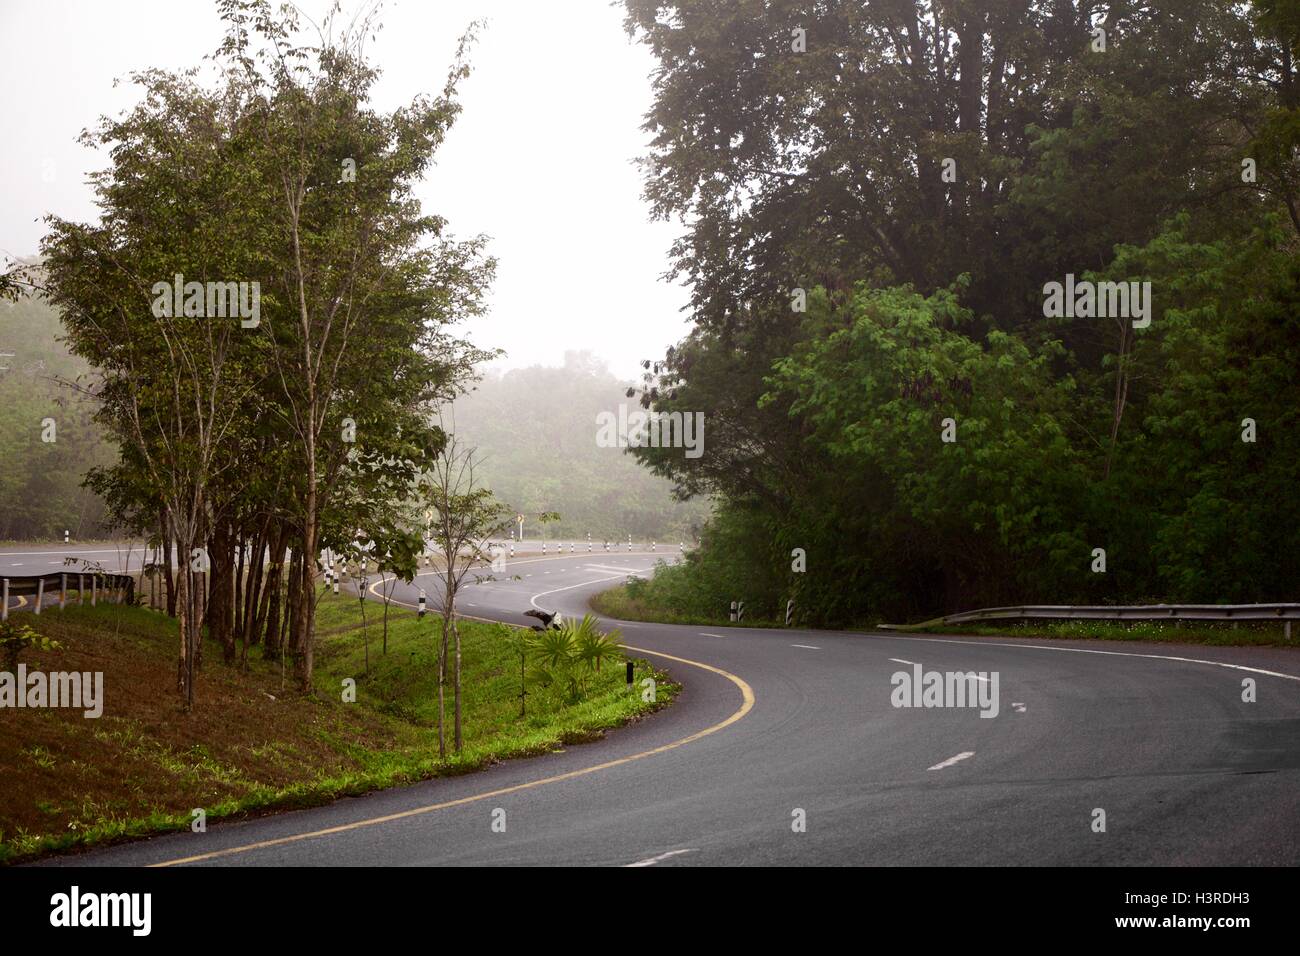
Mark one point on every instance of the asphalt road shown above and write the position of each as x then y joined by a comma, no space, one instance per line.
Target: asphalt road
778,726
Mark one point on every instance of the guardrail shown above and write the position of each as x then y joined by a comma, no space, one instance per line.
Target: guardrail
1286,613
119,588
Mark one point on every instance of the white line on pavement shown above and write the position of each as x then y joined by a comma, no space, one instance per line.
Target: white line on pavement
952,760
899,660
707,634
808,646
651,861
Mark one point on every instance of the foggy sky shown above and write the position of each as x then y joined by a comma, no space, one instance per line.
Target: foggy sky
540,160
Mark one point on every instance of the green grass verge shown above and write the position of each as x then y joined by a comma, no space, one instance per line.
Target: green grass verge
252,745
619,604
1157,632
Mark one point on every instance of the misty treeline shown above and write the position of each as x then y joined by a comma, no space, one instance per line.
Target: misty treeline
253,442
536,431
923,170
41,491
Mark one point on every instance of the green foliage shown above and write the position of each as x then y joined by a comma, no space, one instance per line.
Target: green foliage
16,638
821,171
566,656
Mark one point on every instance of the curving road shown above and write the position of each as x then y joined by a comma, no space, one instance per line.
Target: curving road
774,726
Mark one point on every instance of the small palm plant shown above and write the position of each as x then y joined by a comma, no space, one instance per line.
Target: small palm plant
593,646
567,654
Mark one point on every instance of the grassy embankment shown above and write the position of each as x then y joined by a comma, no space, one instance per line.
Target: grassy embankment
252,744
646,605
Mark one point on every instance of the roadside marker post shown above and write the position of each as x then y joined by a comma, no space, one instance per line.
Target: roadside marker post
789,611
65,535
94,589
4,611
732,616
81,589
40,593
422,604
629,673
63,591
652,545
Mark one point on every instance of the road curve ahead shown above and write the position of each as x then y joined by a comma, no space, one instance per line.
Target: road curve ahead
785,748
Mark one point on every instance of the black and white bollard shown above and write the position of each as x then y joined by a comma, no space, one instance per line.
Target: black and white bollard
422,603
589,542
629,542
789,611
732,617
652,545
65,535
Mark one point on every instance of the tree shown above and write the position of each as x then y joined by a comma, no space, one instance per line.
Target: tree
355,288
465,517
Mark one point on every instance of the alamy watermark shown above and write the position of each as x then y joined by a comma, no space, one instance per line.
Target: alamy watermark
75,689
951,689
210,300
1098,300
639,429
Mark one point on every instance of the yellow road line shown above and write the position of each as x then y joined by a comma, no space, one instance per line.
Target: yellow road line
747,704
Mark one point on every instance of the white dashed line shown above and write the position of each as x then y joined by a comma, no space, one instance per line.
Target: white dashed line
952,760
707,634
899,660
806,646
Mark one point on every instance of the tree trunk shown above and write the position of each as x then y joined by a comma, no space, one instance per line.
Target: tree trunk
456,633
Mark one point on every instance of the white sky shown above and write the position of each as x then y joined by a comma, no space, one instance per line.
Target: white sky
540,159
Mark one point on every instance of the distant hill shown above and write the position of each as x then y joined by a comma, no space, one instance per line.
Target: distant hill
536,430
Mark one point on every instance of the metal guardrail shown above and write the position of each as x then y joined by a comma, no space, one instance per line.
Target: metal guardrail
119,588
1285,613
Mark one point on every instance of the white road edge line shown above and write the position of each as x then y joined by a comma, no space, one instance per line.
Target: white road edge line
807,646
651,861
707,634
952,760
899,660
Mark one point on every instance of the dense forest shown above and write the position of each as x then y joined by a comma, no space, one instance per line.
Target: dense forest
536,430
884,207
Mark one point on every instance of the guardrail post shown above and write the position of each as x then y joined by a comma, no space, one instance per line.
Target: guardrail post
40,593
63,591
4,611
1287,630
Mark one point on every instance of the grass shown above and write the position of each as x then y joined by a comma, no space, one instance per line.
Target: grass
1158,632
252,744
618,603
